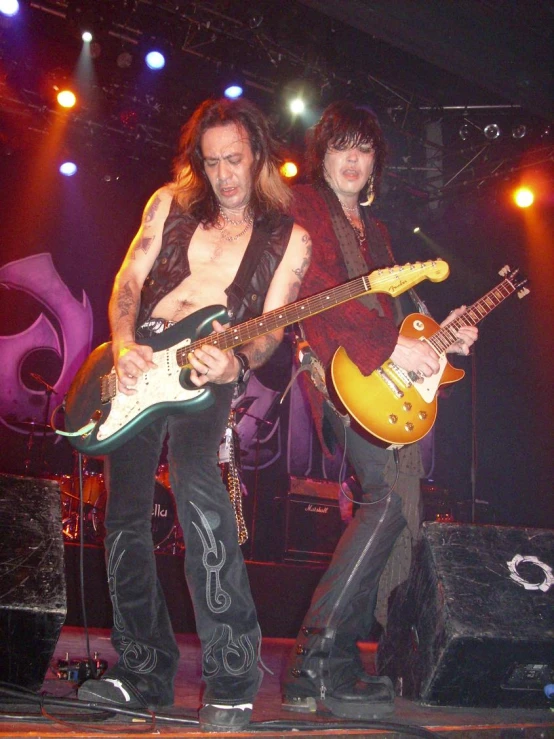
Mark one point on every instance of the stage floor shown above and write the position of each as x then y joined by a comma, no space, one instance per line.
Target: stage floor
61,717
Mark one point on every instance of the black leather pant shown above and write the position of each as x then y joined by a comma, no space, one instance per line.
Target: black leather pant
341,610
214,566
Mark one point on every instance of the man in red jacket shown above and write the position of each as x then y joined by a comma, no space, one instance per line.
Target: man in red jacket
345,155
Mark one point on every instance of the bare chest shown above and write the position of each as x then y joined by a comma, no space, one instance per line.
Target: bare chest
213,261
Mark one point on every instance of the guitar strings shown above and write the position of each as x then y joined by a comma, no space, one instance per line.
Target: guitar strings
352,289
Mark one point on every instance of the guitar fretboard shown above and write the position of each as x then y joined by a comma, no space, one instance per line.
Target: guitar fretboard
446,336
391,280
281,317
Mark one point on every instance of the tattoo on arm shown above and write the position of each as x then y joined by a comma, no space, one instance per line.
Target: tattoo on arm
260,351
294,287
151,212
143,245
301,271
126,302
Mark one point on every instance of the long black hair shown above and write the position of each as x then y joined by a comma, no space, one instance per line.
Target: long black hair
191,185
344,125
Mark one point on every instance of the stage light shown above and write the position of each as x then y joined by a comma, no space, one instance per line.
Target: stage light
417,229
155,60
9,7
464,132
86,36
288,169
233,91
66,98
519,130
524,197
68,169
492,131
297,106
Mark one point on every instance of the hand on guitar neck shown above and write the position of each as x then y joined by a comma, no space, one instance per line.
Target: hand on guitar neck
419,357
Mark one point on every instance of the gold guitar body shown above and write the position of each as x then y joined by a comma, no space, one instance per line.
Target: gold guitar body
387,403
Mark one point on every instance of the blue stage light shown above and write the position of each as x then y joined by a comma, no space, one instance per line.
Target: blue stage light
155,60
233,92
9,7
68,169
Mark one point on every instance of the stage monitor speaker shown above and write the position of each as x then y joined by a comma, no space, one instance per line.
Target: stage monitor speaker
312,520
33,602
474,623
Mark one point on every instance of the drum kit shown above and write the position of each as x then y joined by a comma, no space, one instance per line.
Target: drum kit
167,535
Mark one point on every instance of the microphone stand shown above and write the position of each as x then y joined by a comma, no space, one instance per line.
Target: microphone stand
49,390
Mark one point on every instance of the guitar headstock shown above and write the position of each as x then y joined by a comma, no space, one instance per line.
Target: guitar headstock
515,279
395,280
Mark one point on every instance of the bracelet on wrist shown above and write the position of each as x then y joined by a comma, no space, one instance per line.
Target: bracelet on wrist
244,372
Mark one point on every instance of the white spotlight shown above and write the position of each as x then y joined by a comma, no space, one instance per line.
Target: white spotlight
68,169
297,106
155,60
9,7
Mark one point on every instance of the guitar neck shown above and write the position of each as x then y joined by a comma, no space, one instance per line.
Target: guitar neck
281,317
392,280
445,337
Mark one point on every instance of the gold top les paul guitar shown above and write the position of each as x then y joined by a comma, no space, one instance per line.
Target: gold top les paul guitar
99,418
387,403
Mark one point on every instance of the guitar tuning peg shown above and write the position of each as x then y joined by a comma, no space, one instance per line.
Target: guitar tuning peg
504,271
523,292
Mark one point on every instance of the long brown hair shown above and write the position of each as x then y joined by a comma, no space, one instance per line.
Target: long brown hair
191,186
344,125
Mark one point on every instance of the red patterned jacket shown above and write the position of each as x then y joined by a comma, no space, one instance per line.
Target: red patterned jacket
368,338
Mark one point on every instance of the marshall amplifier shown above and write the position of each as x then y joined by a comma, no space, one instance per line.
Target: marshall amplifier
474,623
33,603
312,520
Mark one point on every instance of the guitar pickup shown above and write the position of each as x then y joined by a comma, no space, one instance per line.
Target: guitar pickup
401,375
389,383
108,384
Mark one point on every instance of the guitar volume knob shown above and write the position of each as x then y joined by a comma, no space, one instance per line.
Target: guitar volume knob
409,426
407,406
422,415
393,418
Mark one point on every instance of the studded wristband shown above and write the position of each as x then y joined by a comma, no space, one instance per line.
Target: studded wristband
244,372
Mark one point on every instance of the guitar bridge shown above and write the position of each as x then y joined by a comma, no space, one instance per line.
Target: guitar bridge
401,374
108,386
389,382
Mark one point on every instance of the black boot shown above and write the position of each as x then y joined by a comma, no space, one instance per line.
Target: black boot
320,673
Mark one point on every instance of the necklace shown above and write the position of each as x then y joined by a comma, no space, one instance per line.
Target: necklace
230,222
358,230
236,237
348,209
248,221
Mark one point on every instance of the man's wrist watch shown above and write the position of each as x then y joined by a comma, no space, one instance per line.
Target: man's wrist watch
245,371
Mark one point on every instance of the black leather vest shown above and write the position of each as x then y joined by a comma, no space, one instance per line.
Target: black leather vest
246,294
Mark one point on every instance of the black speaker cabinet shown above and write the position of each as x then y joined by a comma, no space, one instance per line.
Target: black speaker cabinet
474,623
32,581
312,520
